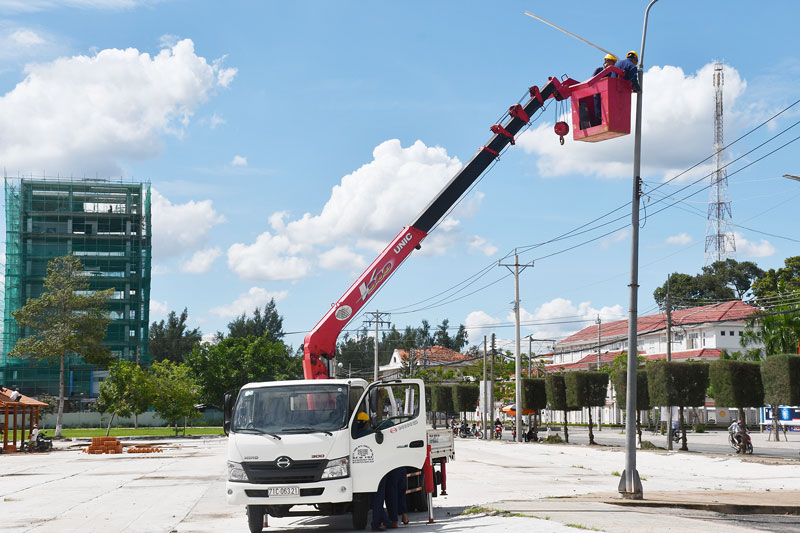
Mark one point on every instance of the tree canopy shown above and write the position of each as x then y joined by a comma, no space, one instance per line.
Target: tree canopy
125,392
263,323
722,280
67,319
171,339
783,281
174,391
778,330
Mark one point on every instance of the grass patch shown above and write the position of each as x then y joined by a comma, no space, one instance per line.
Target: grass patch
553,439
579,526
615,473
479,509
141,432
579,466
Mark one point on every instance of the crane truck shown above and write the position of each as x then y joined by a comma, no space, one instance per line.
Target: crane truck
299,447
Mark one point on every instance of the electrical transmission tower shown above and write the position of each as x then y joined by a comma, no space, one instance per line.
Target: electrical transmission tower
720,244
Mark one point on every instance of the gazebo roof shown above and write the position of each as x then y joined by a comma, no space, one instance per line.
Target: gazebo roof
5,399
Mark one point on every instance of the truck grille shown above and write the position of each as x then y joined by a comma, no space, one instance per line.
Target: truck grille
297,472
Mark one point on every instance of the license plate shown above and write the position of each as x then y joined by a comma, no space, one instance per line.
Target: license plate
283,491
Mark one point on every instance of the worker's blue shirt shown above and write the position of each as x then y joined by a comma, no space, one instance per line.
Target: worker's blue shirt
631,73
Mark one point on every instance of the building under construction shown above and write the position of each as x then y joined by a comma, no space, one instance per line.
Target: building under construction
107,225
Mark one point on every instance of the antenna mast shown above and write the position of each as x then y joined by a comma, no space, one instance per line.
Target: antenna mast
720,243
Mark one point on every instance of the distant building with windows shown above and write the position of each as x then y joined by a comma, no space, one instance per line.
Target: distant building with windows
430,357
698,333
106,224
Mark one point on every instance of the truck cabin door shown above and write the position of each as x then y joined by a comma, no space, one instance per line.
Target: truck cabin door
393,434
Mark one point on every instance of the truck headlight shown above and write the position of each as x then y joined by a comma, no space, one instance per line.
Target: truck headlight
236,472
337,468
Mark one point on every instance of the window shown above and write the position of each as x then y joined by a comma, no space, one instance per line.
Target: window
387,406
291,409
732,334
722,333
740,333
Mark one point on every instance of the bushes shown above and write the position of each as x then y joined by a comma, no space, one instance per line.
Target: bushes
642,392
586,389
465,397
534,394
736,384
442,399
682,384
780,375
556,390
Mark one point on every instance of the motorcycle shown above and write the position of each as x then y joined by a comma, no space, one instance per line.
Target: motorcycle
677,435
466,432
42,444
498,432
744,447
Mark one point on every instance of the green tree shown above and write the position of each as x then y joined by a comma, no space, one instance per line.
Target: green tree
236,361
125,392
722,280
356,353
267,323
171,339
443,338
736,384
441,400
586,389
67,319
677,383
778,330
174,392
781,282
465,398
620,381
556,390
780,375
534,396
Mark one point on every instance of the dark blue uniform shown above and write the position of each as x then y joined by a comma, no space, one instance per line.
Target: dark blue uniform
379,516
631,73
396,487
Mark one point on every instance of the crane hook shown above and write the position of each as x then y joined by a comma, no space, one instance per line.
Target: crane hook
561,128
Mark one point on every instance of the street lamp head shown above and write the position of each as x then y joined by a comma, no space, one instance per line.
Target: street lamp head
791,177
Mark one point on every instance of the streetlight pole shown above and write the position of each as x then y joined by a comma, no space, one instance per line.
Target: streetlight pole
630,486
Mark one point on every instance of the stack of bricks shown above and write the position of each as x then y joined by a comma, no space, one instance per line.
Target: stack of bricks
104,445
144,449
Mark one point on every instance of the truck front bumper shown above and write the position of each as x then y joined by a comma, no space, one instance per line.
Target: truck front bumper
331,491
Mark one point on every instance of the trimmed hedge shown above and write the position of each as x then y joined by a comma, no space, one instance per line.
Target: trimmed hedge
556,391
677,383
586,389
465,397
642,392
736,383
780,375
442,399
534,393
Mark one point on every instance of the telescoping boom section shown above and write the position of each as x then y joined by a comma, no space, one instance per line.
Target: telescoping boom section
319,345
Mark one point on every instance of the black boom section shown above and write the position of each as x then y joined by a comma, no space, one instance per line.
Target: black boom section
479,163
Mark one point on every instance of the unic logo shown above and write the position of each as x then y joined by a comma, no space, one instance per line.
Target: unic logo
378,275
402,243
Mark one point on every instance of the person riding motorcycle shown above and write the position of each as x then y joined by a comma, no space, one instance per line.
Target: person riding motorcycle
738,430
498,428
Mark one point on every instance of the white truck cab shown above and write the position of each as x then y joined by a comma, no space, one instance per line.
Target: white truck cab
294,444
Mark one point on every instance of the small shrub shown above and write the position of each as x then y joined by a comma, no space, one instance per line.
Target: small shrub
699,428
553,439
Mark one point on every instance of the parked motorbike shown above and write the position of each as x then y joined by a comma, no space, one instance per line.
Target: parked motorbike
677,435
744,447
498,432
42,444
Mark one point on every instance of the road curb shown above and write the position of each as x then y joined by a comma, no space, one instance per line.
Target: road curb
717,507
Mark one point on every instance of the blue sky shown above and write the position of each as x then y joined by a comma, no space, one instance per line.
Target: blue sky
288,142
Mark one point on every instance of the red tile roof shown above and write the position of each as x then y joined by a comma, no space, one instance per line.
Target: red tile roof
589,361
436,354
5,398
725,311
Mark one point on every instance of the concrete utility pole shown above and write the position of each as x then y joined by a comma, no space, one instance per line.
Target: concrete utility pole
668,304
377,318
518,358
491,385
630,486
485,394
599,364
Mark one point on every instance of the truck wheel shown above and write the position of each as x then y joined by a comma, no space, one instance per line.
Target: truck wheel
255,518
420,498
360,511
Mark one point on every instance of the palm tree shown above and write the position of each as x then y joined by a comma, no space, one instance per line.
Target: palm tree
778,330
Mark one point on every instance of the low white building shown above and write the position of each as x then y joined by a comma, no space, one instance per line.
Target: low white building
424,358
698,333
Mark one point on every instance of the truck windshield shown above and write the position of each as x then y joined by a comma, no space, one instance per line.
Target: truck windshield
291,409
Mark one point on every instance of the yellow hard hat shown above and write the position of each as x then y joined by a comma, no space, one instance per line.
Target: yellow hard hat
611,57
362,416
633,55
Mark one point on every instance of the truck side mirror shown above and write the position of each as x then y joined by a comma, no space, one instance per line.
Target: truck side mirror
378,436
227,412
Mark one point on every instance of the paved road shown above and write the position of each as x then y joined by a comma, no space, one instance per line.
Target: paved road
712,442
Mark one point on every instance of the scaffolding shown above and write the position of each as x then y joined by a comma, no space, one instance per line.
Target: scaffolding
107,225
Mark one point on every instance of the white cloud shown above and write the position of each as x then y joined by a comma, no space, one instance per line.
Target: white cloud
248,301
681,238
26,6
157,308
239,161
614,238
215,121
179,228
26,37
341,258
201,261
86,114
160,270
676,128
556,319
368,206
481,245
479,323
747,248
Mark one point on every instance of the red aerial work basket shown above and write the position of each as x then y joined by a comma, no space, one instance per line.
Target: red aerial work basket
601,109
